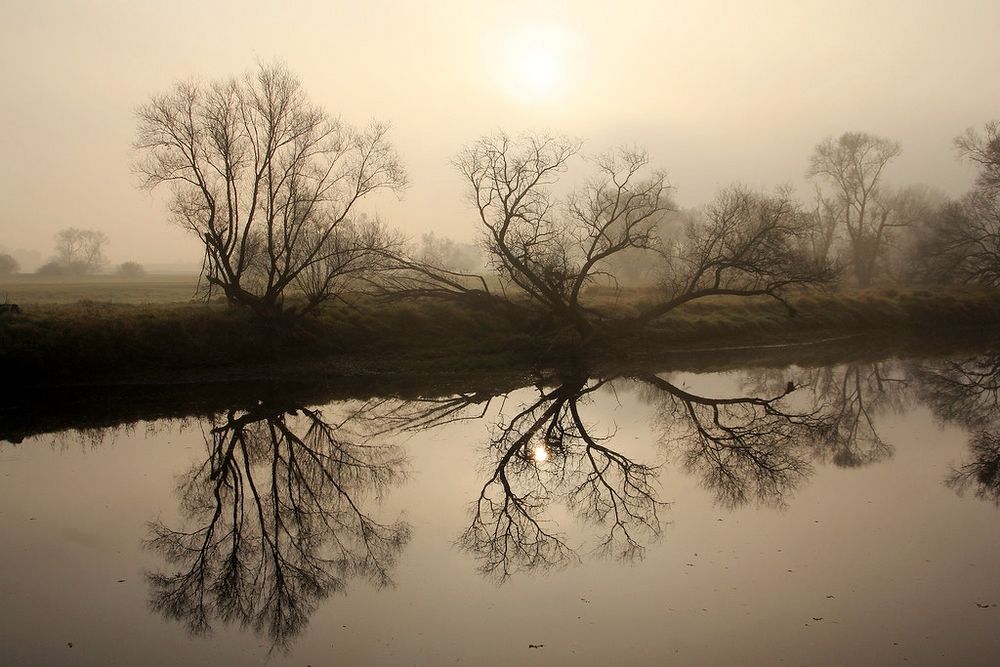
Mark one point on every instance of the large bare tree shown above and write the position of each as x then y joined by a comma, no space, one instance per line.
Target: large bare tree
268,181
963,243
551,248
749,244
853,166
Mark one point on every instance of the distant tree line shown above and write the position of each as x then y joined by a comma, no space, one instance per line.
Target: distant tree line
80,252
272,184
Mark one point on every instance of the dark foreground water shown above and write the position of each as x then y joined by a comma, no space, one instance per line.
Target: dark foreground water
825,515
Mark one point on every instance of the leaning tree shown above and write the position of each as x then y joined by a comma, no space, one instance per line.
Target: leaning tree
550,248
748,244
269,182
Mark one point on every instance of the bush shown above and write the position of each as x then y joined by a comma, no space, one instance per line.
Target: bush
130,270
8,265
52,269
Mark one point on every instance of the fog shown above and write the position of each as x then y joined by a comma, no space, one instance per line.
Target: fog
717,91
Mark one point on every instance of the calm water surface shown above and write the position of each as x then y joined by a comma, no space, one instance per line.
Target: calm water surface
834,515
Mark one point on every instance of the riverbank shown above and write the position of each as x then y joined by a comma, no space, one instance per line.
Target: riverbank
102,343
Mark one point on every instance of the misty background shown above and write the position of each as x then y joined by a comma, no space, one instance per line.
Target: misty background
717,91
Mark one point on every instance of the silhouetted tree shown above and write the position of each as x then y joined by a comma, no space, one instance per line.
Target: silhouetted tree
983,149
552,250
269,182
751,244
963,245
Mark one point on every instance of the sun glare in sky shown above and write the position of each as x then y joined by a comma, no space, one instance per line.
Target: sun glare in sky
537,64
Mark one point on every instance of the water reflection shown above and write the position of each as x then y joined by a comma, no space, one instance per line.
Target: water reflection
744,448
852,398
275,520
279,512
545,453
967,392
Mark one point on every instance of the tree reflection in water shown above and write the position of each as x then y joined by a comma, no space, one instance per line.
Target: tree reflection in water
543,453
744,448
848,400
967,392
278,506
275,522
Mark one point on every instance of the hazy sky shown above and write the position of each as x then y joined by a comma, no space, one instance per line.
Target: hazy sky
718,91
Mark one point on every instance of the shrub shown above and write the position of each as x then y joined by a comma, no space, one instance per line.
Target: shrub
8,265
130,270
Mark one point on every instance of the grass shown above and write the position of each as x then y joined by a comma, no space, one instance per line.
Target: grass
136,339
153,288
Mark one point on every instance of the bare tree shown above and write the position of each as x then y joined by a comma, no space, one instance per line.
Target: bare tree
751,244
963,243
853,166
80,251
984,151
268,181
549,249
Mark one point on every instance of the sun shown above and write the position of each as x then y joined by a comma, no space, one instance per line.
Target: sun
537,64
539,68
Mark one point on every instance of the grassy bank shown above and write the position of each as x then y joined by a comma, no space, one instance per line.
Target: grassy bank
92,342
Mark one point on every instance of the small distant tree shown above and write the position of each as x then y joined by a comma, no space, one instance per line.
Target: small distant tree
268,181
8,265
446,253
852,167
80,251
130,270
